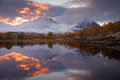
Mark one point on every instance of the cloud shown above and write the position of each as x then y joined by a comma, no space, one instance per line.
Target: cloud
80,2
15,12
9,7
98,10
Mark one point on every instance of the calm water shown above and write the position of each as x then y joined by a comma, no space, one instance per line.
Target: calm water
59,61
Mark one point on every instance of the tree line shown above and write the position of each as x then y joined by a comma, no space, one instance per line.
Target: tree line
25,36
95,32
106,29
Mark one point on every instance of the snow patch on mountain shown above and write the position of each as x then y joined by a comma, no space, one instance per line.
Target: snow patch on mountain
43,25
84,24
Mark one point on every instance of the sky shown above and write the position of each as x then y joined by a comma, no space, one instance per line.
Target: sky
63,3
52,2
15,12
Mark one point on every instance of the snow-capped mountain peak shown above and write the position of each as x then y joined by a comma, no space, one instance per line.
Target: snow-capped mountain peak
49,20
84,24
45,25
42,25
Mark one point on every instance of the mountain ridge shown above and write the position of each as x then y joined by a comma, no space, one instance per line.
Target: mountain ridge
42,25
45,25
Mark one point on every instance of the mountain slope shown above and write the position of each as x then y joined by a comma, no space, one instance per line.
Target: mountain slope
43,25
4,27
84,24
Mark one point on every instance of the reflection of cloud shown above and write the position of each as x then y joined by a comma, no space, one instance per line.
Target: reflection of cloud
78,74
68,74
21,66
82,72
26,63
70,78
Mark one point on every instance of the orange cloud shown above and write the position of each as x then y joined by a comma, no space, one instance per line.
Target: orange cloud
70,78
28,14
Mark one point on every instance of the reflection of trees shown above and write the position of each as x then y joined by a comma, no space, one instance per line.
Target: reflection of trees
20,44
9,45
110,51
82,48
50,44
98,49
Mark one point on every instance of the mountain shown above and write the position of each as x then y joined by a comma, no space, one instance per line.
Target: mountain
42,25
2,25
84,24
45,25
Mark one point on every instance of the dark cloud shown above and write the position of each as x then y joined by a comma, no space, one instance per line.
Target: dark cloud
98,10
8,7
56,11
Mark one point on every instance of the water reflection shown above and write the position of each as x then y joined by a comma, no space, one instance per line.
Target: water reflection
58,61
19,64
9,45
25,63
110,51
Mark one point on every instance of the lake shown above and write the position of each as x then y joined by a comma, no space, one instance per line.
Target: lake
58,61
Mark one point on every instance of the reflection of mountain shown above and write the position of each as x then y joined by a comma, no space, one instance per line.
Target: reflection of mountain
21,65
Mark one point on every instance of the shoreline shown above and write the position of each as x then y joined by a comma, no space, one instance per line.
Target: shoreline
101,42
67,40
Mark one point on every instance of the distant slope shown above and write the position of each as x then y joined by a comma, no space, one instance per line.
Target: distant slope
84,24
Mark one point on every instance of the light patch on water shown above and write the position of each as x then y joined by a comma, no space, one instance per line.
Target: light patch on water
64,75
